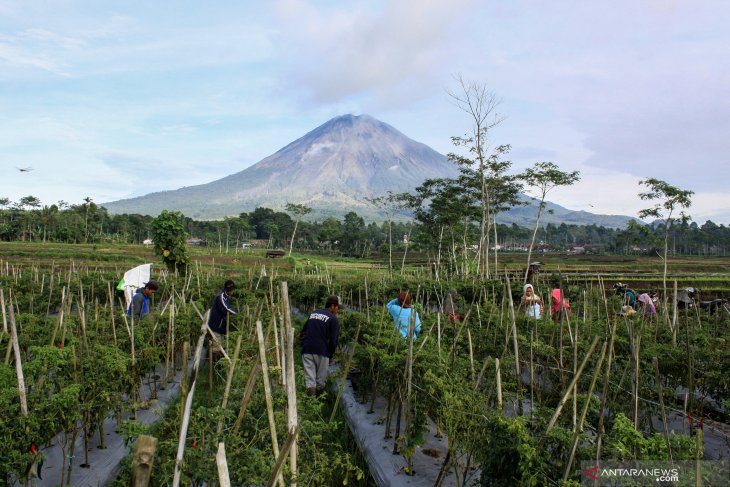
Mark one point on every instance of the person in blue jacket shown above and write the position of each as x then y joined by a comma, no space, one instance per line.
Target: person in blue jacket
320,336
219,311
400,309
139,307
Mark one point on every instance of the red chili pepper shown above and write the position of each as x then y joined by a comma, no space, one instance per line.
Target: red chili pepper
689,416
33,449
195,444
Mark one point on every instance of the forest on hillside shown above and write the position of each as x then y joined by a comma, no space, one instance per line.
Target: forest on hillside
29,220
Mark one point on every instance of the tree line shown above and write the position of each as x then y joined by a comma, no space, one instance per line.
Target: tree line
30,220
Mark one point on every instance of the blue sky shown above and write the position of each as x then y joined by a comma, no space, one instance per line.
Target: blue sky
114,99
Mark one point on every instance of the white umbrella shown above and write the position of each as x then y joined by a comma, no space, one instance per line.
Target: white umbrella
134,279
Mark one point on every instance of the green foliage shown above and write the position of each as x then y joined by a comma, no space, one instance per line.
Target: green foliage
170,240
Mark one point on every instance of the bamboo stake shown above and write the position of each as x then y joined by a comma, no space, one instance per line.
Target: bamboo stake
292,422
2,305
345,371
471,354
189,404
143,460
18,362
499,383
514,330
576,433
604,395
699,451
19,374
438,333
661,405
59,322
250,383
220,461
267,388
229,381
570,387
276,472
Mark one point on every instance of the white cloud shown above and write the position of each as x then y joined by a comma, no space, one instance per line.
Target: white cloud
371,49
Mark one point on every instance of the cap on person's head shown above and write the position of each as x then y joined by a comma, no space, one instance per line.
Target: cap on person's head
333,300
151,284
229,285
404,298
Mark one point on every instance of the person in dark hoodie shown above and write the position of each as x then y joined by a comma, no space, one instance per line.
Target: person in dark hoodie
220,309
319,336
139,307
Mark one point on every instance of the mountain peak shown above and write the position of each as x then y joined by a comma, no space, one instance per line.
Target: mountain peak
332,168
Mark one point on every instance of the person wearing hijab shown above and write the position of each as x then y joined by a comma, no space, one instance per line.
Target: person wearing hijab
531,302
646,303
400,309
559,304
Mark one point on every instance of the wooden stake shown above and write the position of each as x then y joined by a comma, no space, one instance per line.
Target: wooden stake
514,331
144,457
292,419
189,403
699,451
18,362
604,395
499,383
579,427
570,387
229,381
2,305
661,405
471,355
276,472
267,388
220,461
253,375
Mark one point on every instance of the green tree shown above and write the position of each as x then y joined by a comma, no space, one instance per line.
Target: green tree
298,211
671,199
542,178
330,231
169,235
353,232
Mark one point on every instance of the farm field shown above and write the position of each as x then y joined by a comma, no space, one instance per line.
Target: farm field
524,401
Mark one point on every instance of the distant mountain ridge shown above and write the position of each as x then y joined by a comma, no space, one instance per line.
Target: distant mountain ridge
332,169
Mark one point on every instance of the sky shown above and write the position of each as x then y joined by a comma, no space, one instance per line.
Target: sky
110,99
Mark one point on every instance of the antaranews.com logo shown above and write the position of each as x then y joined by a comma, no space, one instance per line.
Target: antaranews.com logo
663,473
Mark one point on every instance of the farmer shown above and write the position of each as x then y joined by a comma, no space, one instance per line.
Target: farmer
140,305
319,337
559,305
220,309
629,294
686,297
646,303
400,309
531,302
449,306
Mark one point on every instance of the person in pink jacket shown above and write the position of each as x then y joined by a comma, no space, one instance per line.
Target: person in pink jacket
559,304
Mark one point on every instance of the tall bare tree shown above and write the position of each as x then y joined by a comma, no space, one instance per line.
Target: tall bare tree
480,104
388,204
